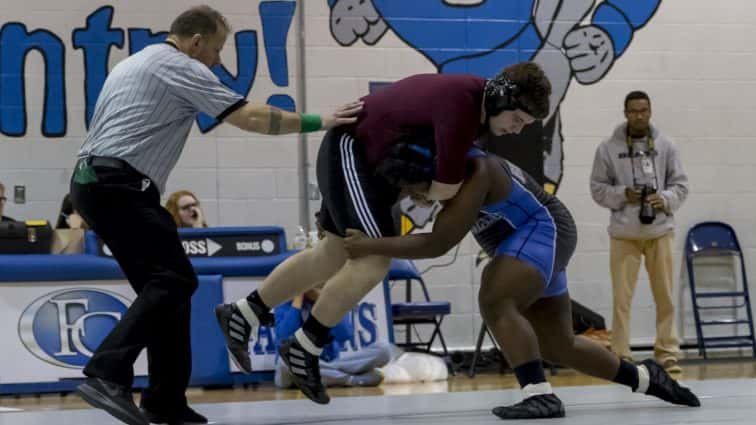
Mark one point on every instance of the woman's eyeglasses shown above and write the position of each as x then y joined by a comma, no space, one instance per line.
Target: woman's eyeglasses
187,207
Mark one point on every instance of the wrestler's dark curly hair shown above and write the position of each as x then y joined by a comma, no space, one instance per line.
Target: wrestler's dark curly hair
533,84
406,164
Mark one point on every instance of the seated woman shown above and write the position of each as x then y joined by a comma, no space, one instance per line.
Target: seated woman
530,237
185,209
357,369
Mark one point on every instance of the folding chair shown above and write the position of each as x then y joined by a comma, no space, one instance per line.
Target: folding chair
411,313
717,239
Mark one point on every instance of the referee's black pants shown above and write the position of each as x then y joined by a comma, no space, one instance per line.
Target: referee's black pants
123,208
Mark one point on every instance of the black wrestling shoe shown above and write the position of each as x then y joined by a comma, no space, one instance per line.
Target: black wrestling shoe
238,330
187,416
305,370
533,407
662,385
112,398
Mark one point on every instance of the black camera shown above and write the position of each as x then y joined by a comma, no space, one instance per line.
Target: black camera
647,213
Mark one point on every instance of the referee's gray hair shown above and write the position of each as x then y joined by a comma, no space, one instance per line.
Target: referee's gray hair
203,20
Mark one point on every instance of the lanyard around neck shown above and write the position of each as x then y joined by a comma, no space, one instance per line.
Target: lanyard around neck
649,144
631,156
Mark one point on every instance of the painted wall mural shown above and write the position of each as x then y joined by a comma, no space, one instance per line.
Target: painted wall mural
97,37
571,39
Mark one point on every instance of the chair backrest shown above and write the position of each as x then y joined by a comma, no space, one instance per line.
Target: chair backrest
711,236
405,270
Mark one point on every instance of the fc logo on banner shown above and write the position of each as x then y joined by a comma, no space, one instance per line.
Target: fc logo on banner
63,328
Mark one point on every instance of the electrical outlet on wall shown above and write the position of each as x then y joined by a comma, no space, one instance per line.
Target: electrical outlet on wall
19,194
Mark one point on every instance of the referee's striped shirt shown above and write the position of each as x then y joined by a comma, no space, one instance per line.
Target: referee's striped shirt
147,106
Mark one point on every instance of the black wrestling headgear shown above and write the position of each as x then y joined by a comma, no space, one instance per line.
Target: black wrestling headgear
501,95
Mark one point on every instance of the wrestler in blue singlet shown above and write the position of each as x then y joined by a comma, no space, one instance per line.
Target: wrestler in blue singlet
530,225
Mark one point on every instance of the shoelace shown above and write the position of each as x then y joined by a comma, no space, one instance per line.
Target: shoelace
532,406
664,384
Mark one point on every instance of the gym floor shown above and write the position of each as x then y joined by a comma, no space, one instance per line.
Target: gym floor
727,389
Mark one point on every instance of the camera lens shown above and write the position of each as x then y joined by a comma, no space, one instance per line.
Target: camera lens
647,213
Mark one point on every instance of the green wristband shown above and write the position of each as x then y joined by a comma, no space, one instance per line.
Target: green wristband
310,123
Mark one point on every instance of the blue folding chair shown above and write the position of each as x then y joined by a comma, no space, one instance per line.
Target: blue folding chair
716,239
411,312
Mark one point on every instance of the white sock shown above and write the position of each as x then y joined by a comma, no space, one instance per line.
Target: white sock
305,342
247,312
536,389
644,379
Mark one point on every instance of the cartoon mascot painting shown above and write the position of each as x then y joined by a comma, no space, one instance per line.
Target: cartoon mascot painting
483,36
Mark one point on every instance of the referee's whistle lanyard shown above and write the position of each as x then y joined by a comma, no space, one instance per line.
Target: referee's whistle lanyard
648,162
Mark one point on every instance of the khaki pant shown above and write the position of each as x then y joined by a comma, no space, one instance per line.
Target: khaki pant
625,256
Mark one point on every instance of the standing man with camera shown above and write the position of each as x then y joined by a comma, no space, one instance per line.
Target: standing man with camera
637,174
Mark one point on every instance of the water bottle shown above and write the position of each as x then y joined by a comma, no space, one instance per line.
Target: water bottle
300,238
313,239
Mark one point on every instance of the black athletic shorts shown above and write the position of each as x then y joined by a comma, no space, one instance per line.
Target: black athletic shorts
353,196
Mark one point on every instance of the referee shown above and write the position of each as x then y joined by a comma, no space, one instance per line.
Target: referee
141,122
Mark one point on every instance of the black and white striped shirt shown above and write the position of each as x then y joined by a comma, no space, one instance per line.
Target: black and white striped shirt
147,106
